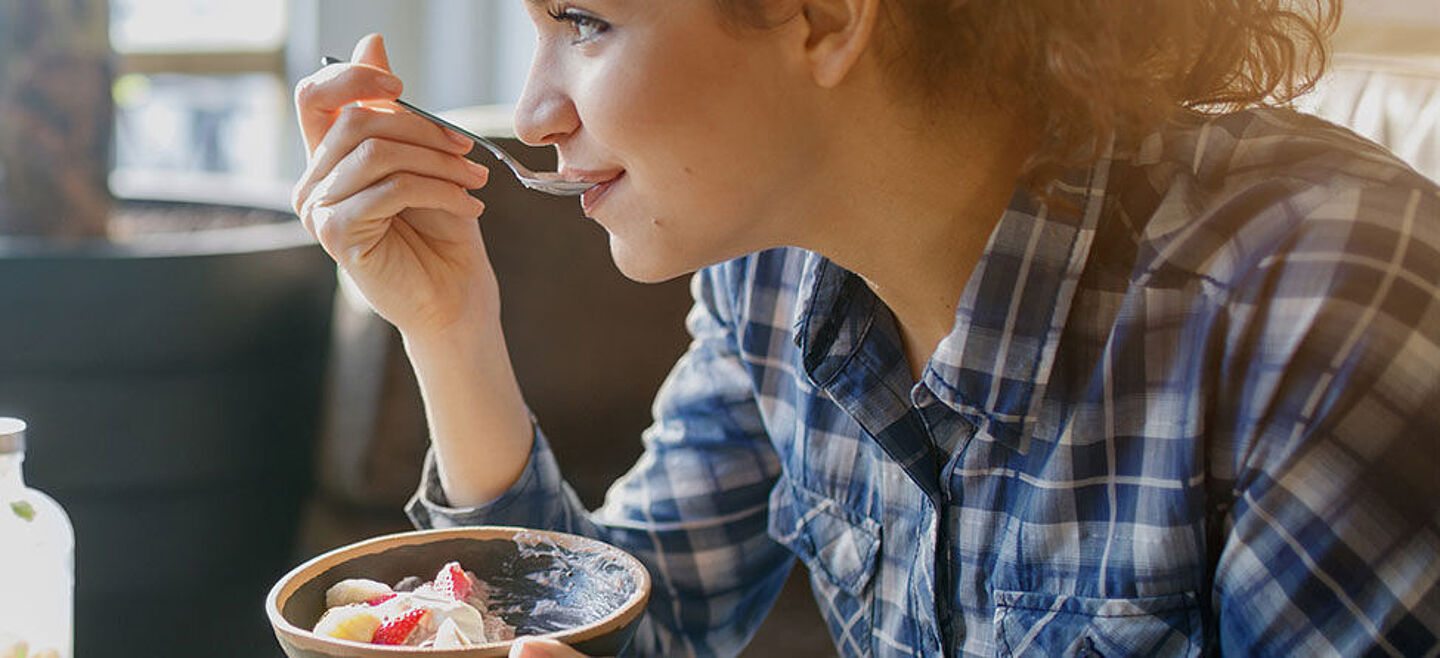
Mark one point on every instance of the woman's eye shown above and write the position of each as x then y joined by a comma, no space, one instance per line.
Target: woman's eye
585,26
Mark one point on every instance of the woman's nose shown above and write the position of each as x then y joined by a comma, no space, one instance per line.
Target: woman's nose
545,114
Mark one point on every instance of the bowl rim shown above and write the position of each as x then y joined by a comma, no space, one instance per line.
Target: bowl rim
288,584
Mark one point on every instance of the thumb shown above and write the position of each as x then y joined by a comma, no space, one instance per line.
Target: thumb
371,50
536,647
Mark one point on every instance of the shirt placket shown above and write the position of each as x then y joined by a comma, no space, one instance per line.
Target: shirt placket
907,442
950,434
866,382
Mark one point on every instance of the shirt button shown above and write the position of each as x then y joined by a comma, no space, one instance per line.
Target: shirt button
920,395
1087,649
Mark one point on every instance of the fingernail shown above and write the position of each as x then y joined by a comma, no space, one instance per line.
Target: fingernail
480,171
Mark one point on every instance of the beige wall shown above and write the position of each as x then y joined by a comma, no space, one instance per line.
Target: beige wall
1390,27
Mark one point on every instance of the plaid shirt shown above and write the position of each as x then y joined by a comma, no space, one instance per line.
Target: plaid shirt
1191,408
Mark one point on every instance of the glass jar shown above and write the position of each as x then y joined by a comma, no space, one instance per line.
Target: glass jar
37,561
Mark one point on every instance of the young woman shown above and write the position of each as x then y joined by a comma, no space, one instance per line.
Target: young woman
1011,322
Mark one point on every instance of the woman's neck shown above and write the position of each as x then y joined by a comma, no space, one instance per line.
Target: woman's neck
919,201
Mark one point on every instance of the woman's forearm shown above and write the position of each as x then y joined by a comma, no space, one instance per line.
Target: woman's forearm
479,424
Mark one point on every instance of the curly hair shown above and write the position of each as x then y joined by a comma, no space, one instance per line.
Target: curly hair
1095,69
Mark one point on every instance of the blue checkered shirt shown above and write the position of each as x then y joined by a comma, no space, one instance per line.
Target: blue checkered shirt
1190,405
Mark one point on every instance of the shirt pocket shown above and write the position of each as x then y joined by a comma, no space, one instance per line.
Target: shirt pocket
1040,624
839,548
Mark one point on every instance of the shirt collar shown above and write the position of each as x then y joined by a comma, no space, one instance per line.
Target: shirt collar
834,311
993,366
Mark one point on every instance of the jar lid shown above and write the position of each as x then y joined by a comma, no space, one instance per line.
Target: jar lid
12,435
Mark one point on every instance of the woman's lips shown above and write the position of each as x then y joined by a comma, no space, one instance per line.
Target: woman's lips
597,193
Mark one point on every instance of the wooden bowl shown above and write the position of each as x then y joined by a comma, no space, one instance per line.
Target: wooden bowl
591,597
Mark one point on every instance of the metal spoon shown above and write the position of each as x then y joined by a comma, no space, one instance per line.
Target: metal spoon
546,181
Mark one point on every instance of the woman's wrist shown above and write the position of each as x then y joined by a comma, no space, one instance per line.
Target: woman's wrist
465,339
479,424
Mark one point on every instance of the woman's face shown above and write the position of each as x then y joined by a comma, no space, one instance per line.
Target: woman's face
698,130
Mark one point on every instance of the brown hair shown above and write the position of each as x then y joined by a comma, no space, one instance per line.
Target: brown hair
1092,69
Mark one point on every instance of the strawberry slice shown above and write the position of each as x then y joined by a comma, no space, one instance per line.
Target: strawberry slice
452,581
374,601
397,630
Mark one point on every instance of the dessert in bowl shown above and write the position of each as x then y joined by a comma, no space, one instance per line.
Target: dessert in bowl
578,591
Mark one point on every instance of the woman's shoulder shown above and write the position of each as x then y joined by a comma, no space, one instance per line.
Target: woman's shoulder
1258,144
1218,196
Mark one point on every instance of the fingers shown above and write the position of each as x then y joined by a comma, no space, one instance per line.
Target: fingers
370,49
320,97
380,174
367,144
535,647
370,164
357,126
376,159
349,228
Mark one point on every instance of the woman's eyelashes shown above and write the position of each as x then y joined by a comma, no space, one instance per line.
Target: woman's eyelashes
583,26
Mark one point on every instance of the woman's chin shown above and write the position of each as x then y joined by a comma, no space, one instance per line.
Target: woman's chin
646,265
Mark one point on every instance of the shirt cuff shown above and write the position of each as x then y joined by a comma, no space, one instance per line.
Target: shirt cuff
524,504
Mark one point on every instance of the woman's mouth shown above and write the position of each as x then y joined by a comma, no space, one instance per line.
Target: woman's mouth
592,197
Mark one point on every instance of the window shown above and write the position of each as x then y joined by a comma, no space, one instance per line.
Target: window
201,95
203,88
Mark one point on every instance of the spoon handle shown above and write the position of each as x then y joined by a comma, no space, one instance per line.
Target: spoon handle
502,155
519,169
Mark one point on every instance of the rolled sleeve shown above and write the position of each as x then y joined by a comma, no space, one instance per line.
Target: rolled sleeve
540,498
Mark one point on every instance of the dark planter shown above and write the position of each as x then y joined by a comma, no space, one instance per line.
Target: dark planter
172,387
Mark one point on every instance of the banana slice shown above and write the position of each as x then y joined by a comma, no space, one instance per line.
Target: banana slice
355,590
354,623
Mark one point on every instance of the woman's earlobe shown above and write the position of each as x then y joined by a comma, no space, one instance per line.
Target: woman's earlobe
839,32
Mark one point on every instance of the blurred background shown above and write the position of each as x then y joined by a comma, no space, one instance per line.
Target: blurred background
204,86
213,408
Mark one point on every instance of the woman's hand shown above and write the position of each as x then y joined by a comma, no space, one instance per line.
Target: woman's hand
535,647
386,194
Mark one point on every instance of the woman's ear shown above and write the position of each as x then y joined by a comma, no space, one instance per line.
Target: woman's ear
839,32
